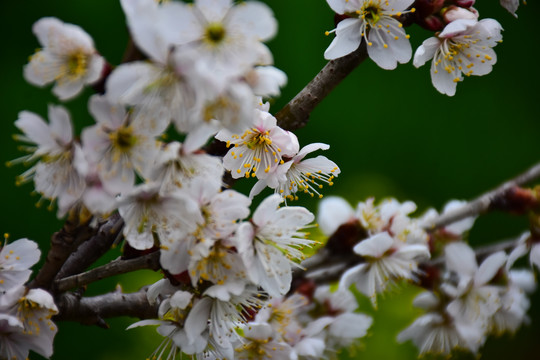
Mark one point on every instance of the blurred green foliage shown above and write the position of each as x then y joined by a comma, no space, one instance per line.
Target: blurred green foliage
391,133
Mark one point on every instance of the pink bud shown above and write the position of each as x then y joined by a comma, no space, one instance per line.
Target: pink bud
432,23
464,3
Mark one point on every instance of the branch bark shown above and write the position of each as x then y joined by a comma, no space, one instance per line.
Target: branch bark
486,201
93,249
116,267
296,113
93,310
63,243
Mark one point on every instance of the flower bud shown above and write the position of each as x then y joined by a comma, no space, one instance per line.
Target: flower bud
426,8
464,3
432,23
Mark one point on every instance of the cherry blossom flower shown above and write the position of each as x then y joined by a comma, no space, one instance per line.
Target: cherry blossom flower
227,37
16,259
259,149
437,332
118,144
386,260
68,58
374,21
146,210
260,343
301,175
25,320
464,47
475,300
272,242
54,175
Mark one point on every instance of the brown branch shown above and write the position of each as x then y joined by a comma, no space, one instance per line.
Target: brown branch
63,243
116,267
93,310
485,201
296,113
93,249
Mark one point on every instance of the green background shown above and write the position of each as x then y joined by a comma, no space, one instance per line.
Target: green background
391,133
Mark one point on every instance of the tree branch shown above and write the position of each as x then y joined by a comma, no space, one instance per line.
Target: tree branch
93,249
63,243
92,310
116,267
487,201
296,113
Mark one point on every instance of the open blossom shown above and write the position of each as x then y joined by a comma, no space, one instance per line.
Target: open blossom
146,210
464,47
68,58
118,144
54,175
375,22
272,242
16,259
25,323
301,175
386,260
227,37
260,149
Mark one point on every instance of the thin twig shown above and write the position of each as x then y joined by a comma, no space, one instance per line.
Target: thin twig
92,310
116,267
485,201
63,243
93,249
296,113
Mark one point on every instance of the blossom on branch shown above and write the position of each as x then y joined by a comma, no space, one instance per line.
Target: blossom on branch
375,22
68,58
464,47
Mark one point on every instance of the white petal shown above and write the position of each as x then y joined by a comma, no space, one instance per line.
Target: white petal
348,37
333,212
374,246
489,268
426,51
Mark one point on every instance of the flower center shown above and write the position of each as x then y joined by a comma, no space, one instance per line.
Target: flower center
215,33
123,138
76,64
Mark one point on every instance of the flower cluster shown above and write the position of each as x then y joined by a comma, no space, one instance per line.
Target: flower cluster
25,314
463,47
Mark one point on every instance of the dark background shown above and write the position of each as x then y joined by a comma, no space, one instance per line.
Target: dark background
391,133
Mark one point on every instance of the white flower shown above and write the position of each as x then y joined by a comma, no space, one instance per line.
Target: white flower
227,36
301,175
68,58
438,332
375,21
260,343
55,176
260,149
118,144
273,243
16,259
474,299
25,320
346,325
146,210
386,260
464,47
